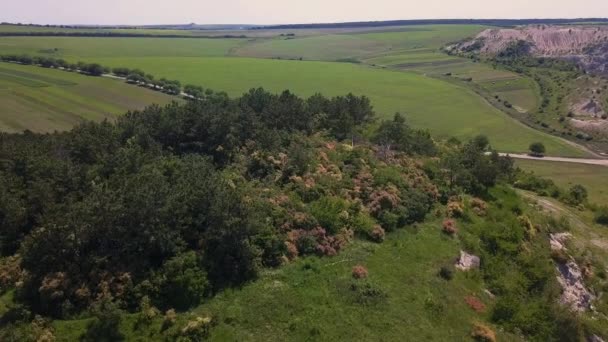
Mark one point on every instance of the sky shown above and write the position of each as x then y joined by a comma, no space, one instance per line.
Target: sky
140,12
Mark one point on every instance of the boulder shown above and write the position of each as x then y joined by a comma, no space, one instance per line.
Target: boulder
467,261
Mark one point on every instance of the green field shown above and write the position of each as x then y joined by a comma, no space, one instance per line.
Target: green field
445,109
81,47
359,45
592,177
44,100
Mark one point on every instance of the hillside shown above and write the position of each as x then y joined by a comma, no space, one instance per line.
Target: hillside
271,216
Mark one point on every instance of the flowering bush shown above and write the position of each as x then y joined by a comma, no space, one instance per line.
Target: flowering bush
449,227
360,272
475,303
455,209
479,206
377,234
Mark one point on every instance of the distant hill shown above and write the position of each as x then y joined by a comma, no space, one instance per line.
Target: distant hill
491,22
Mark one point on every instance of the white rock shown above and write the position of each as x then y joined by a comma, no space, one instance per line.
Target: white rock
467,261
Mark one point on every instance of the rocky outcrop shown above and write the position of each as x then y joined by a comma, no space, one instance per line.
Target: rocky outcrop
467,261
574,293
585,45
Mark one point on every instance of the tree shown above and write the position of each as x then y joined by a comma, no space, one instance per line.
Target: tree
537,149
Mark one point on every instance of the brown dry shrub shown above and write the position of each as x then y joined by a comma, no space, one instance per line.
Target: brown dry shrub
475,303
360,272
479,206
54,286
455,209
385,199
449,227
10,271
483,333
377,234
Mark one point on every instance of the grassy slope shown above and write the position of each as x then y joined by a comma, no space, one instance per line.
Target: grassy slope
45,100
311,298
592,177
445,109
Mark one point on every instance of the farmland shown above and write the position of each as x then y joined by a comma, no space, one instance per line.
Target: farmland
444,109
565,175
44,100
396,70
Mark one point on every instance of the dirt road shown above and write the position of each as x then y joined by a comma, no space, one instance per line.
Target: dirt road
601,162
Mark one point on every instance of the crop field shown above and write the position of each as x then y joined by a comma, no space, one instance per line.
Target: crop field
80,47
592,177
443,108
44,100
358,45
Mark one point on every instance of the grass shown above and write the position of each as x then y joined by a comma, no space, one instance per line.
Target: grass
443,108
44,100
592,177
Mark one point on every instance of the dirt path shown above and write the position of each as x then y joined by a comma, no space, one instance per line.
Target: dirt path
589,161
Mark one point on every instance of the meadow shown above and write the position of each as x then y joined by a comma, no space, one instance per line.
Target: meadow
443,108
565,175
44,100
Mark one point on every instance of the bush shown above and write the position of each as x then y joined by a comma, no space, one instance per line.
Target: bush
330,212
359,272
475,303
601,216
105,325
377,234
446,272
455,209
449,227
483,333
577,195
537,149
367,293
181,282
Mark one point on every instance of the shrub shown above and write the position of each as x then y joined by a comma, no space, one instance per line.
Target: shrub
106,324
479,206
359,272
182,283
483,333
537,149
601,216
475,303
367,293
377,234
449,227
455,209
577,195
197,329
169,319
329,212
446,272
